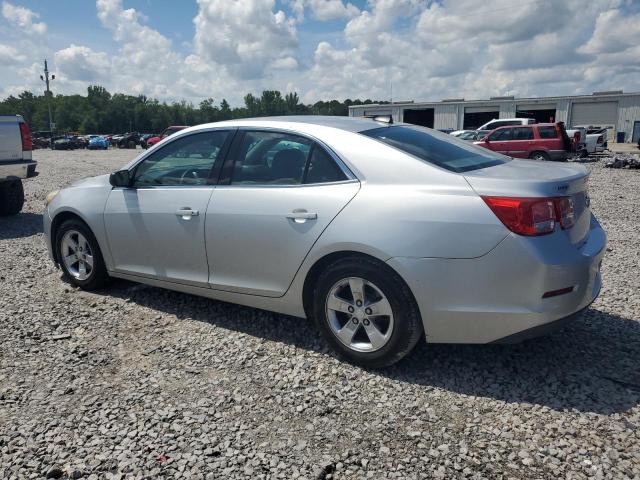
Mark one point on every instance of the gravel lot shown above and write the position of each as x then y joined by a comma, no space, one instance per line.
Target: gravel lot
139,382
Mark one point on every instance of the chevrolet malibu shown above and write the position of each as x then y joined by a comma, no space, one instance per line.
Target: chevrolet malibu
383,233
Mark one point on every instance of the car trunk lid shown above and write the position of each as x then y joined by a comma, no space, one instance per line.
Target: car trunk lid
531,179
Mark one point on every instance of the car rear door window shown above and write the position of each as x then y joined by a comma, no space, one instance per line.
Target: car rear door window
501,135
436,148
186,161
547,132
271,158
322,168
523,133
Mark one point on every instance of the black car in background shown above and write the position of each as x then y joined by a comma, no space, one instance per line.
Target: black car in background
129,140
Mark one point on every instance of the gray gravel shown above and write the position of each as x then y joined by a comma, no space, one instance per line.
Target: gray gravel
138,382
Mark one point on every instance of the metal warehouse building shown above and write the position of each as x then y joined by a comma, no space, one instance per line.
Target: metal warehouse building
617,111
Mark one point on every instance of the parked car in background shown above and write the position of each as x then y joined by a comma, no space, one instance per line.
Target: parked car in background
505,122
578,136
15,162
144,137
540,141
469,135
114,139
166,133
444,241
98,143
82,141
597,140
129,140
64,142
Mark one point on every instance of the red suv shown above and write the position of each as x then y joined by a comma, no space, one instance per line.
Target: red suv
540,141
167,131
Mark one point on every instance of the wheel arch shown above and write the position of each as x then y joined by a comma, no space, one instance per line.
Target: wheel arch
58,220
323,262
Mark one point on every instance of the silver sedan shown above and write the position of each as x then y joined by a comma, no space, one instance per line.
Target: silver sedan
382,233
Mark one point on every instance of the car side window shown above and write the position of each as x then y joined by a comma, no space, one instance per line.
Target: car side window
183,162
547,132
523,133
271,158
501,135
322,168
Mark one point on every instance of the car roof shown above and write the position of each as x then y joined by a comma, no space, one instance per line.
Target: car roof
527,126
349,124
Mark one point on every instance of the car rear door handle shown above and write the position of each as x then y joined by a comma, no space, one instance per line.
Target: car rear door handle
186,213
301,216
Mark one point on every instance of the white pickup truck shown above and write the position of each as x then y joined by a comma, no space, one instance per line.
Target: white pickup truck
15,162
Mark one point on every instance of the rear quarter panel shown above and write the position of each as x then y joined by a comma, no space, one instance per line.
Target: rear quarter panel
445,221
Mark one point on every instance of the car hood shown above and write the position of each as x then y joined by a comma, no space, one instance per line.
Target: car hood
99,181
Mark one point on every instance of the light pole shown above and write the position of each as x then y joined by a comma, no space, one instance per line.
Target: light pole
48,94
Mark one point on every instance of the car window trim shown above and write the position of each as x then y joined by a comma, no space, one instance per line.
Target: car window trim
229,164
213,174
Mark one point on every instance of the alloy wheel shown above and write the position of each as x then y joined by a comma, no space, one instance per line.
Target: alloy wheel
77,255
359,314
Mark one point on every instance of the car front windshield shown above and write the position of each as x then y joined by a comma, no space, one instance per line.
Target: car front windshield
437,148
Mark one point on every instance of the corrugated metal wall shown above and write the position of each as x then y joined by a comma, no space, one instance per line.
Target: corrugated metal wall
508,110
562,110
628,113
451,115
447,116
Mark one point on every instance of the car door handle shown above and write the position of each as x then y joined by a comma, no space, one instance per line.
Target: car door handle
186,213
301,216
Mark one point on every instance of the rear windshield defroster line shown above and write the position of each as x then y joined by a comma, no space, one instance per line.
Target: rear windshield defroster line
437,148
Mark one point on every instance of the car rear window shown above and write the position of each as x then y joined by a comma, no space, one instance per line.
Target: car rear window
547,132
437,148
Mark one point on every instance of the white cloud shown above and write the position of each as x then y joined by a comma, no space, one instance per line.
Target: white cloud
82,64
332,9
244,37
23,18
614,32
9,55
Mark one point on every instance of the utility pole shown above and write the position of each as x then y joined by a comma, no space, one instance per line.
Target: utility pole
48,94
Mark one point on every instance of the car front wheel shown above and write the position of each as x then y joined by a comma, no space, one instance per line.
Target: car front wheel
366,312
79,256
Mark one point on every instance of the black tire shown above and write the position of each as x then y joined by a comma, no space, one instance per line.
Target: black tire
407,327
131,144
540,156
11,197
98,277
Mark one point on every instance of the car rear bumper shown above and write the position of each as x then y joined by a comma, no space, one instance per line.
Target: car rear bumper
18,169
500,294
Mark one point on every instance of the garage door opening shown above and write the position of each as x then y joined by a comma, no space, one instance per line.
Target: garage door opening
422,117
473,120
541,116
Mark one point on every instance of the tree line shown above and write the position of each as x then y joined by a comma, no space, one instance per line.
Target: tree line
102,112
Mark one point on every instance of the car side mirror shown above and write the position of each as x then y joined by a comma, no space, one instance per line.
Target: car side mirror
121,178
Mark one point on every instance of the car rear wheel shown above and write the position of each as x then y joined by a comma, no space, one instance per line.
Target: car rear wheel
540,156
366,312
79,256
11,197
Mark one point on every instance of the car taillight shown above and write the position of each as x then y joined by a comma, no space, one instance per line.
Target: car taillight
532,216
25,133
565,212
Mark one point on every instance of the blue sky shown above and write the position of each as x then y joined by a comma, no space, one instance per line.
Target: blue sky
322,49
